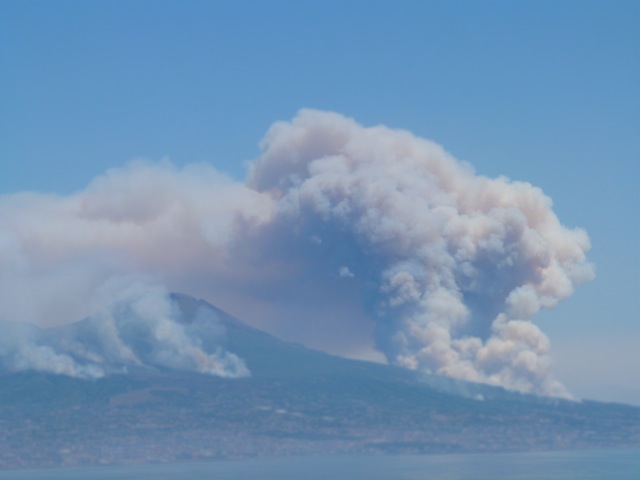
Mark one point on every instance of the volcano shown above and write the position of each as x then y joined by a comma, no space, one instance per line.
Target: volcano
152,405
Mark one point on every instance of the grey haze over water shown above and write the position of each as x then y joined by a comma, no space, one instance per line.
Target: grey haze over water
584,465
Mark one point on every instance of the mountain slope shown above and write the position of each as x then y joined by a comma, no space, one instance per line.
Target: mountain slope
296,401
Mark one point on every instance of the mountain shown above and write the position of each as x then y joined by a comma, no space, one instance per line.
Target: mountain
161,408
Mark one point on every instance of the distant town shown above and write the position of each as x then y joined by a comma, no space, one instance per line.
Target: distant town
56,421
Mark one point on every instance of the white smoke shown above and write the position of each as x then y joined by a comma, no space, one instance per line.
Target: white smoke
342,234
142,327
19,350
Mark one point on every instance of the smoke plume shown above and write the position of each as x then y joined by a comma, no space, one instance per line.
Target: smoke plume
342,237
143,327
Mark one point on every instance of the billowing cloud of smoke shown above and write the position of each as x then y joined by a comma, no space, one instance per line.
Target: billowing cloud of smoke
370,232
19,350
143,327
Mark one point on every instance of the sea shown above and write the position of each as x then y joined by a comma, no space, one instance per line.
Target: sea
583,465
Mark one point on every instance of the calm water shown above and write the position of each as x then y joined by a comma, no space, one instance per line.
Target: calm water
602,465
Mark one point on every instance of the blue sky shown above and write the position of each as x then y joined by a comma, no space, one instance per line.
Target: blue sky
544,92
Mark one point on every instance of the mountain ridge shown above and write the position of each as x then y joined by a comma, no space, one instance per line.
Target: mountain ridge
295,401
